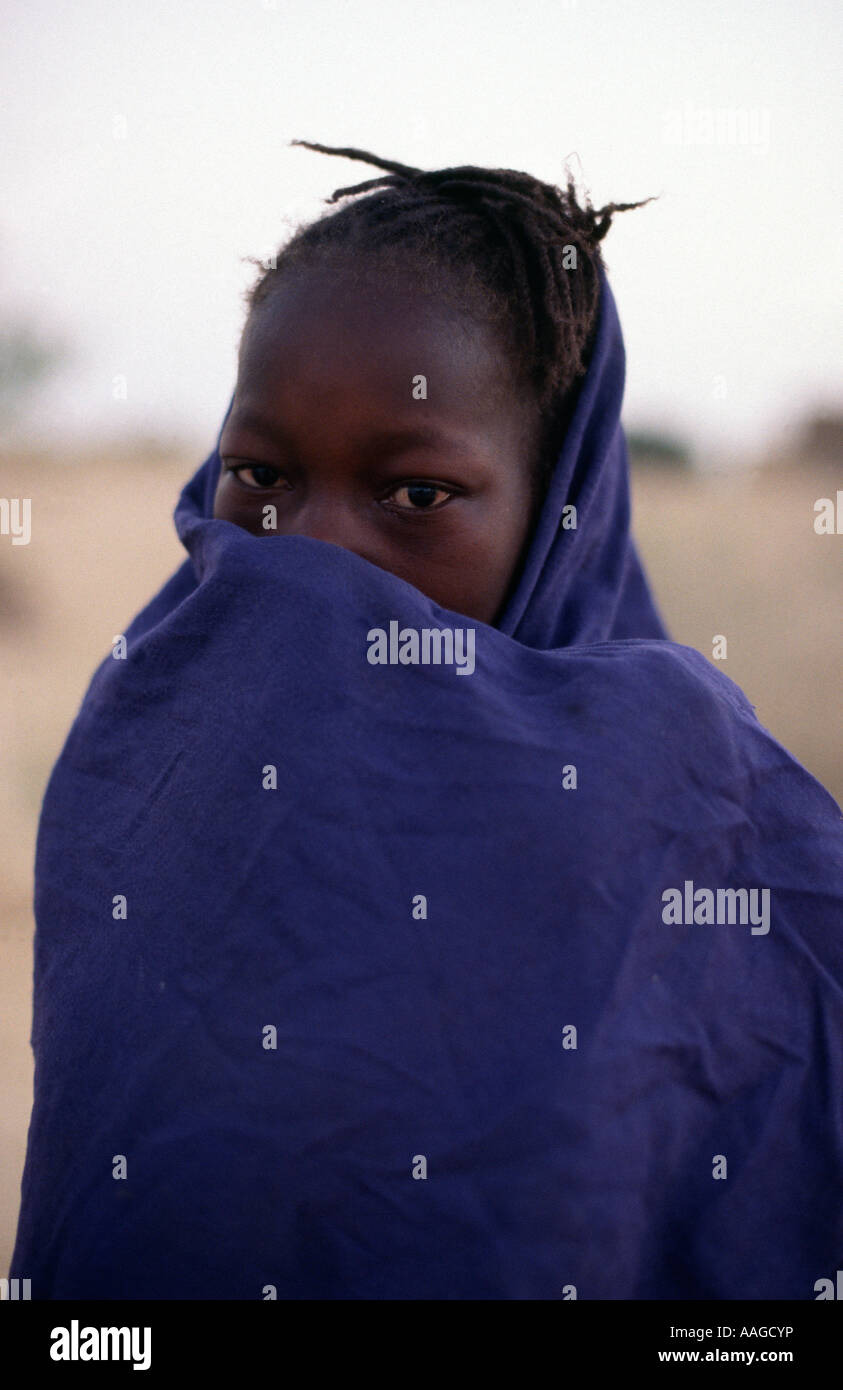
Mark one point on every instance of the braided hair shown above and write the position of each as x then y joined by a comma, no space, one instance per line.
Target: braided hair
521,255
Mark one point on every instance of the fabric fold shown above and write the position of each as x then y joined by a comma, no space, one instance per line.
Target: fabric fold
356,981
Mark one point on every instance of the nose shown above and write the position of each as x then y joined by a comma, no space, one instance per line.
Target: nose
329,519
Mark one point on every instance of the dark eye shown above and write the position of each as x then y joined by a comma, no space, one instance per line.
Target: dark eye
420,496
257,475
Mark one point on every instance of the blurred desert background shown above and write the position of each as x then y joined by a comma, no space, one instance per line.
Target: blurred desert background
733,555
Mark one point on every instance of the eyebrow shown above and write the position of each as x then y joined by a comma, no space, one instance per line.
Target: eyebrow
421,436
397,440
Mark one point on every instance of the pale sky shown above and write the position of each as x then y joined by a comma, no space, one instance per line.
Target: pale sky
145,153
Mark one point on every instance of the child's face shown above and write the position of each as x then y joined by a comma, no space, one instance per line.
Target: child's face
326,428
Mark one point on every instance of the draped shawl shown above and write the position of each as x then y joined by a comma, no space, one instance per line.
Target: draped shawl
361,980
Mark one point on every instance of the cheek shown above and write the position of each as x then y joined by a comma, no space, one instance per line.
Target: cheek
514,533
513,526
491,561
221,498
231,505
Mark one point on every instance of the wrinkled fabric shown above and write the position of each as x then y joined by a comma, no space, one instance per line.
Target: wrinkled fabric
498,1072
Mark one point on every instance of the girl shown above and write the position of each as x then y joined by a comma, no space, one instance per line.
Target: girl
357,980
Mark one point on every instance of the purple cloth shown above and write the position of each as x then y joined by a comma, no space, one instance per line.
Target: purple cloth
529,1082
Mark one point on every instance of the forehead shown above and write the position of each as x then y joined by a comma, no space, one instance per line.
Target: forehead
355,342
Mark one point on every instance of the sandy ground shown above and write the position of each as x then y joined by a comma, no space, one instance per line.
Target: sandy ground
738,558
